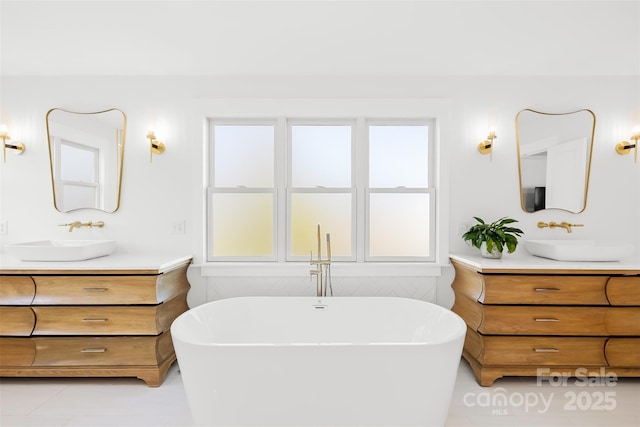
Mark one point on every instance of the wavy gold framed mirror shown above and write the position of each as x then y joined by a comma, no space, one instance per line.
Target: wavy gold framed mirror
554,159
86,154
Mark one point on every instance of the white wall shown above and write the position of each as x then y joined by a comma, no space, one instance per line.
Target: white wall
156,195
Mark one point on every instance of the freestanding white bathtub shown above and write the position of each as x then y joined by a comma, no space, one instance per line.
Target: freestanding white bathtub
337,361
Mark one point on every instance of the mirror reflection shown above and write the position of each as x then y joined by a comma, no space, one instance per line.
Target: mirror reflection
86,153
554,159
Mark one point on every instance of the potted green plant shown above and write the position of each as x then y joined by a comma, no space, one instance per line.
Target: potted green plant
492,238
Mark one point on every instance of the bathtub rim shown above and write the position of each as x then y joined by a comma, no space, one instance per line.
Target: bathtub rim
457,333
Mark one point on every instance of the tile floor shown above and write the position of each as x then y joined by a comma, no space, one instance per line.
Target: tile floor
85,402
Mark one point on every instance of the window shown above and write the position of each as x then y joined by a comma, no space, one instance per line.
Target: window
77,169
242,196
367,182
321,189
399,194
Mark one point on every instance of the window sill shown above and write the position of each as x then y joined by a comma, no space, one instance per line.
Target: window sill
301,269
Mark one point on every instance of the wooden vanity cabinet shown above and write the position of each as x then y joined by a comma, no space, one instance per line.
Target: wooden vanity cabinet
90,323
528,322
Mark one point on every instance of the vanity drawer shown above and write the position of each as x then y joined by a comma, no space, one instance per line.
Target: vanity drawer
623,321
624,290
95,290
16,290
544,289
543,351
99,351
100,320
16,321
108,320
16,351
544,320
623,352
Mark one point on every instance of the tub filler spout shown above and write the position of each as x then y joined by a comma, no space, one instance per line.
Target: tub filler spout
322,270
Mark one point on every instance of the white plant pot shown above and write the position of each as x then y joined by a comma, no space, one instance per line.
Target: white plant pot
494,254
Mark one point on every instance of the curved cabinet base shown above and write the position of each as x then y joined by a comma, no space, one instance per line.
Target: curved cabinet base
486,375
99,323
548,323
152,376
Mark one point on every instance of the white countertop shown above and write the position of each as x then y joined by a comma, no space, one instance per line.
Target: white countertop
524,261
143,261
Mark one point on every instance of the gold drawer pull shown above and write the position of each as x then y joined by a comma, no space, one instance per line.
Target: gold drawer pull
96,289
93,350
96,319
546,350
546,289
546,319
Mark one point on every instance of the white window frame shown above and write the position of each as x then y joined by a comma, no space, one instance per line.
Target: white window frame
212,189
97,171
290,122
440,109
359,162
430,189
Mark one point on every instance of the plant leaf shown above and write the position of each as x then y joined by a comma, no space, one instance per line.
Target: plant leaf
496,235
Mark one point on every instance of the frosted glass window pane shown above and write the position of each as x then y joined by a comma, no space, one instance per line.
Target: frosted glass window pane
242,224
332,211
399,224
77,163
321,156
398,156
78,196
244,156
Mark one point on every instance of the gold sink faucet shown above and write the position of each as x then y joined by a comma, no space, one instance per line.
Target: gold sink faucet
563,224
78,224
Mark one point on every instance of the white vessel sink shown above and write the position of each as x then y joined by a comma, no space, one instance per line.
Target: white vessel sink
577,250
61,250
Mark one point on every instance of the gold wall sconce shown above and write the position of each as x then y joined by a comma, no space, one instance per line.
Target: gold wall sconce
625,147
156,147
486,146
18,146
